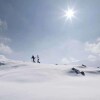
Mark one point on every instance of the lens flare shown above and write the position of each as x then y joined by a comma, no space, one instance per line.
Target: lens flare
69,14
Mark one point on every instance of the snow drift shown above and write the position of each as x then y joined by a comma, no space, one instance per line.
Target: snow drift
28,81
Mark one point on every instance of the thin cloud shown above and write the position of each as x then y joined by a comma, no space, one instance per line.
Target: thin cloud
3,25
92,58
5,40
93,48
5,49
3,58
69,60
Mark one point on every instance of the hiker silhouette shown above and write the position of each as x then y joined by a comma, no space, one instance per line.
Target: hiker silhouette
38,59
33,58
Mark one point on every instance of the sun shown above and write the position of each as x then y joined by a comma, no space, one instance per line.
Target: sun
69,14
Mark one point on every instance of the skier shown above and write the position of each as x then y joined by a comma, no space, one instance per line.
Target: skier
33,58
38,59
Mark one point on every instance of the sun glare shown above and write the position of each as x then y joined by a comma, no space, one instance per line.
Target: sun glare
69,14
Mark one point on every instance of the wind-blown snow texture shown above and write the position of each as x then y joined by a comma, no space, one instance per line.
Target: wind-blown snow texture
28,81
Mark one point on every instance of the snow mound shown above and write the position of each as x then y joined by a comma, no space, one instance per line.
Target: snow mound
29,81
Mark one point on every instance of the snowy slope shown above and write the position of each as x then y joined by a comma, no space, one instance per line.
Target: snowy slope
28,81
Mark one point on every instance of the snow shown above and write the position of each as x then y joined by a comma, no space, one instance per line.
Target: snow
28,81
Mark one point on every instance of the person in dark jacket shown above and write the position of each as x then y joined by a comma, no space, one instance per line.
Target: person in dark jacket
33,58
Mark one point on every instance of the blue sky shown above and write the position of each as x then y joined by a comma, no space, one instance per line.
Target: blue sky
36,27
